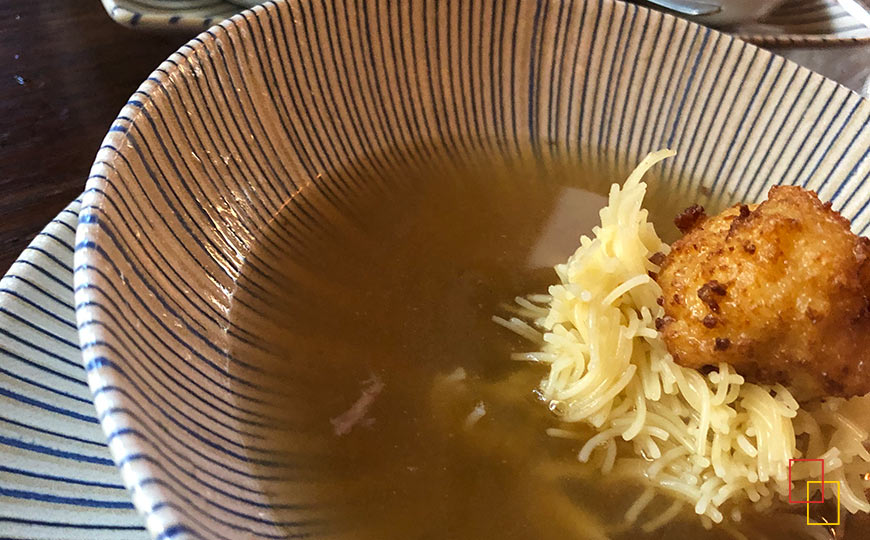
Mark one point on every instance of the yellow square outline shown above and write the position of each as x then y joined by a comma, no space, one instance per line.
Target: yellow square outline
823,497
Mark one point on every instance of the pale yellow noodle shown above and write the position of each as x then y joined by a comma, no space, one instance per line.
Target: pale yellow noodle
711,439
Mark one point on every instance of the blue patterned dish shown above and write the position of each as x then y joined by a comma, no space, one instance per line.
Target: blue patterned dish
793,23
57,478
261,113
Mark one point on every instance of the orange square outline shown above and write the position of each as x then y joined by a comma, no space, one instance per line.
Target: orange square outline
792,460
823,497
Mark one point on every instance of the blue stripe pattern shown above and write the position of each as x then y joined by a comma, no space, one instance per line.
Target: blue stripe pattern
57,478
268,122
793,23
191,14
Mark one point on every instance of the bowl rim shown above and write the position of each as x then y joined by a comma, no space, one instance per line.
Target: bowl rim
88,236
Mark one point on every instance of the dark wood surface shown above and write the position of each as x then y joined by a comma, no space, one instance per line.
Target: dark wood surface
65,71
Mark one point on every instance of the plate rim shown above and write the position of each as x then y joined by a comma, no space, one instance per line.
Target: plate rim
36,272
183,20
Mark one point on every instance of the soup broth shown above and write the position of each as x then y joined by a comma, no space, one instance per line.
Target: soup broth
389,393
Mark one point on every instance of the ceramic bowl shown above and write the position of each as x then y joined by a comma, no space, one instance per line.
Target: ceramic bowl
257,122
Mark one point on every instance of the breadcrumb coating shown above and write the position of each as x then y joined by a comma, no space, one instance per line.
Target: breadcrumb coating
780,290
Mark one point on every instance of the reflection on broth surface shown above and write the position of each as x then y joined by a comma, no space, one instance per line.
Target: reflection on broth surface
385,383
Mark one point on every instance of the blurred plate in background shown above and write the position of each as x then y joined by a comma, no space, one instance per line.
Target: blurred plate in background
794,23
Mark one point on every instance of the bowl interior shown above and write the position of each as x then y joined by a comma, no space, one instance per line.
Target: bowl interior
268,129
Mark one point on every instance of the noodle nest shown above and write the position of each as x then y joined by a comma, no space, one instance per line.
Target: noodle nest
708,440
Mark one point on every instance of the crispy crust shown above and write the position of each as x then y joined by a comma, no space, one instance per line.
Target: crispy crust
780,290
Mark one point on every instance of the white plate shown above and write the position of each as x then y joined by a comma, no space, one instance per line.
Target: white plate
182,14
794,23
57,479
803,23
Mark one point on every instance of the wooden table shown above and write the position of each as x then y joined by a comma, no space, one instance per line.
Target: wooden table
65,71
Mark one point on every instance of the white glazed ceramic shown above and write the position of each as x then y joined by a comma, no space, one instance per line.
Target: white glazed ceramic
57,478
739,11
791,23
247,135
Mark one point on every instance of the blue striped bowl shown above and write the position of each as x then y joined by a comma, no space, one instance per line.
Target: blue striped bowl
262,113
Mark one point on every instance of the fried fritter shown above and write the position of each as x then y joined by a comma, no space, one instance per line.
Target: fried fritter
780,290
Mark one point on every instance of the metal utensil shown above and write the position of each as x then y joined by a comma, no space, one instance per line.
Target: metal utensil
692,8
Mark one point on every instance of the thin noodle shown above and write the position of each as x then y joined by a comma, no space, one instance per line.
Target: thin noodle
706,440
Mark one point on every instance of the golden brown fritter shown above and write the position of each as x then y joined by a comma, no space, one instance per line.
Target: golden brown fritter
780,290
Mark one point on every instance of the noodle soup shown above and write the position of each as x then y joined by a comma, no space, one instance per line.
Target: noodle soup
394,409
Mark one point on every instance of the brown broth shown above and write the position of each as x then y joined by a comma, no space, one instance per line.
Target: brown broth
398,294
